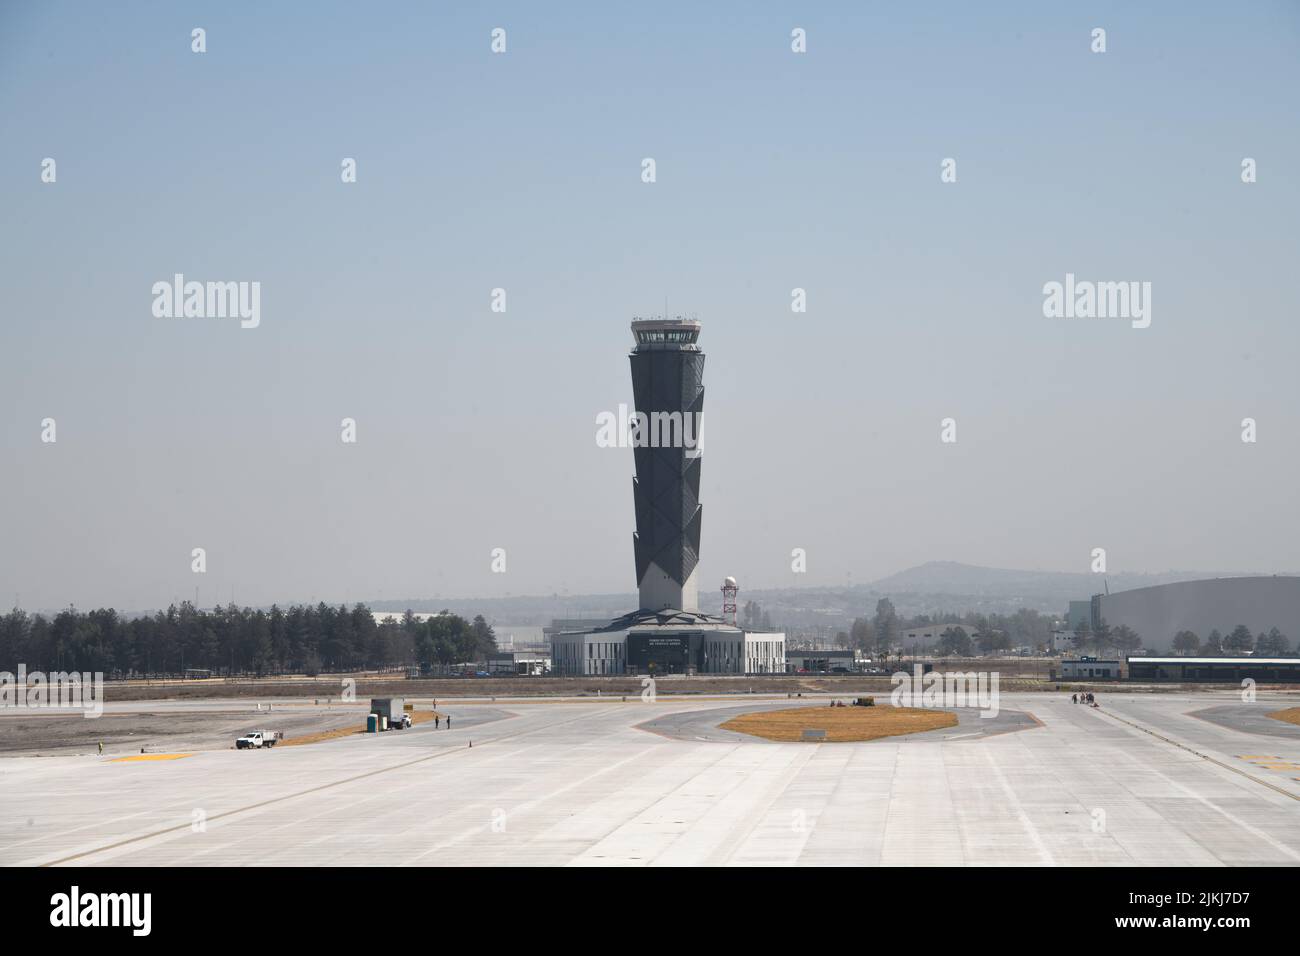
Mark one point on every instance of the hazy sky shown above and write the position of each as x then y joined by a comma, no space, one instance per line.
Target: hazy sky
522,170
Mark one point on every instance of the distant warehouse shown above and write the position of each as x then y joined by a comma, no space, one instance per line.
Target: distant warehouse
1270,670
1158,613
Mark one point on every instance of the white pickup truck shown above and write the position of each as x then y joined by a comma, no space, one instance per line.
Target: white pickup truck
258,739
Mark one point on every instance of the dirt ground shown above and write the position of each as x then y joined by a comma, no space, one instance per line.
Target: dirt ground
1291,715
841,724
171,731
323,689
348,730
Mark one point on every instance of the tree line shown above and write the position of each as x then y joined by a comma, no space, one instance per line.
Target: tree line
965,636
1238,642
1122,639
973,633
301,639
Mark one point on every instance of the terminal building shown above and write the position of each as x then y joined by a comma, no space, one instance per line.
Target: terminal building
668,633
1228,670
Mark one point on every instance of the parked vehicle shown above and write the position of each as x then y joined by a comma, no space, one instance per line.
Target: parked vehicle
258,739
390,710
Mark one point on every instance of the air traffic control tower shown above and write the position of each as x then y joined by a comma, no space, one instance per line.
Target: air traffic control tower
668,633
668,390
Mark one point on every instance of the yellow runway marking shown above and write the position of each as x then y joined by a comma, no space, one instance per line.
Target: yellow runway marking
1270,762
138,757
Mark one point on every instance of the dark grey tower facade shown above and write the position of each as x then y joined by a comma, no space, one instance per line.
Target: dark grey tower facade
668,390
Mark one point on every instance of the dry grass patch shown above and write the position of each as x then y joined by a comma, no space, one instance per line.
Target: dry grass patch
417,717
842,724
1291,715
138,757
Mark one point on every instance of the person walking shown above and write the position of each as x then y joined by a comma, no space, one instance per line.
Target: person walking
101,748
449,721
436,721
1074,698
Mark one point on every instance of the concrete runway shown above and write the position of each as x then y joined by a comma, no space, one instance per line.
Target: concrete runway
1140,782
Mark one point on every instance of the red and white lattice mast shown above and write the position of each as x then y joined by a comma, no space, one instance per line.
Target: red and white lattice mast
729,591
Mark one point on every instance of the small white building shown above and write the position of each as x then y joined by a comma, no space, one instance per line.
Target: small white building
1090,668
521,663
803,660
764,652
1062,640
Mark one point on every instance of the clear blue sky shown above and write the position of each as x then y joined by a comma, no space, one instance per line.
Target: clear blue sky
522,171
